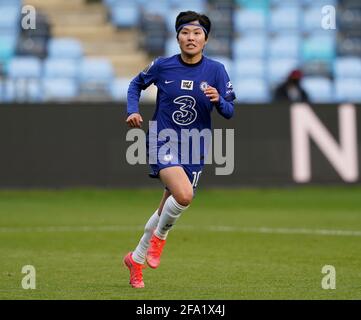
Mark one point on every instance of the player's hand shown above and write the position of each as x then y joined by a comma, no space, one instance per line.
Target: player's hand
212,94
134,120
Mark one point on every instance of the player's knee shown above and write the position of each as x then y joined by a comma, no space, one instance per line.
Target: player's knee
184,198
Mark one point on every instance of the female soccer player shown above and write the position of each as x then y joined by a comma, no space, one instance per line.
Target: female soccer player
189,86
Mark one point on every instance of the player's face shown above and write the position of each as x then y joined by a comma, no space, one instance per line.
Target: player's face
192,40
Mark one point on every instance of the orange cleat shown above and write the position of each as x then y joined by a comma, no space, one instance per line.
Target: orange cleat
155,251
136,274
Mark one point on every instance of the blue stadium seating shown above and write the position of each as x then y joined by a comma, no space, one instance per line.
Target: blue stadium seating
250,46
25,67
65,48
272,38
96,69
185,5
161,7
252,90
348,90
319,89
10,18
2,90
284,46
347,67
125,14
284,18
171,47
119,88
60,68
262,5
278,69
59,89
249,68
7,48
249,20
22,90
170,20
319,47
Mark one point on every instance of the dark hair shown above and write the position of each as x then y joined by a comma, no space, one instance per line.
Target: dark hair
189,16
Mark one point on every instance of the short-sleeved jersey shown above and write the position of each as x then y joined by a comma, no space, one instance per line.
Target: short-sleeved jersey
181,102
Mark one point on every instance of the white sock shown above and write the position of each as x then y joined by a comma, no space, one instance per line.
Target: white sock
141,250
172,210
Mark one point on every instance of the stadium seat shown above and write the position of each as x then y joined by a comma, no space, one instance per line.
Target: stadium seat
249,68
284,18
171,47
250,46
10,2
319,47
22,90
247,19
170,20
96,69
195,5
60,89
24,67
288,3
278,69
350,46
347,67
65,48
160,8
262,5
60,68
119,89
227,62
319,3
125,14
2,90
96,76
319,89
252,90
219,46
284,46
348,90
7,48
10,18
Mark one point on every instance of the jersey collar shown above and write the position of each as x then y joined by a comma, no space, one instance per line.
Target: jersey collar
189,64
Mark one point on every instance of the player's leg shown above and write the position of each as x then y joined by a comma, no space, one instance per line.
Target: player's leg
177,182
135,260
140,251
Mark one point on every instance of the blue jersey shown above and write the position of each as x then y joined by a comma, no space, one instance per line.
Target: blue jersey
181,102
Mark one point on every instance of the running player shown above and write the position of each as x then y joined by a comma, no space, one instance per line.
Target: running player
189,86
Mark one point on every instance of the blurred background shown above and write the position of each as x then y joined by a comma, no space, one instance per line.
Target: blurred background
87,50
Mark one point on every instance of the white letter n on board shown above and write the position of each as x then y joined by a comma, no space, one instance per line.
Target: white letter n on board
305,125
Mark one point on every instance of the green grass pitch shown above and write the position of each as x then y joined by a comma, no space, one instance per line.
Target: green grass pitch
231,244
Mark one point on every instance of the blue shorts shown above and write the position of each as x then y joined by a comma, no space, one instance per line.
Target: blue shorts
193,171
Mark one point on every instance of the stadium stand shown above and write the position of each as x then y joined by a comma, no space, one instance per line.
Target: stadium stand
92,50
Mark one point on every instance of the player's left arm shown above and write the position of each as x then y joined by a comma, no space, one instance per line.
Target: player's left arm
223,95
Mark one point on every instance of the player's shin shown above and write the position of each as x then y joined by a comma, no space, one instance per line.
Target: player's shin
171,212
141,250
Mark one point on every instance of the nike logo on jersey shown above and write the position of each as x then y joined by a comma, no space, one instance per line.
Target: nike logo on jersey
168,81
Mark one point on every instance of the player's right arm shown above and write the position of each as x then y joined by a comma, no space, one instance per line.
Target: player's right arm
142,81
